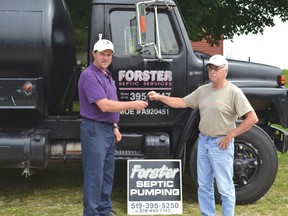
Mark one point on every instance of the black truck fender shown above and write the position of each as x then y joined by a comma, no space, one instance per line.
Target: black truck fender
275,96
263,98
191,126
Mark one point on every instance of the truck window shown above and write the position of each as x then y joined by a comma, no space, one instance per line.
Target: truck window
123,30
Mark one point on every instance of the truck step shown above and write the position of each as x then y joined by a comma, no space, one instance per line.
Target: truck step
128,154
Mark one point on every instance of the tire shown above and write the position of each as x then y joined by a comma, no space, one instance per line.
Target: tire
255,165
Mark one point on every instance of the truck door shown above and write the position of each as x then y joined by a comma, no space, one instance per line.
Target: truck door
138,70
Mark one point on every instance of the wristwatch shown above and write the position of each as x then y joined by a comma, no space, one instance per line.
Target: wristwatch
115,126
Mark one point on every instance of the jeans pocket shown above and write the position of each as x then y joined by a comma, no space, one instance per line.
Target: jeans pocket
92,133
88,126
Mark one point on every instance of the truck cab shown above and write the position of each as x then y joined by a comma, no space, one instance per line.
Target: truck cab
167,65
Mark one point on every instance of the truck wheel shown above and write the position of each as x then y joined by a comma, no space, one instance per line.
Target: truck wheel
255,165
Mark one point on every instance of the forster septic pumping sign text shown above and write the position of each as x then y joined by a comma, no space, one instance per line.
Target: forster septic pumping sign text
154,187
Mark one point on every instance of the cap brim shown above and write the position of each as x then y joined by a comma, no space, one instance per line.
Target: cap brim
104,50
210,63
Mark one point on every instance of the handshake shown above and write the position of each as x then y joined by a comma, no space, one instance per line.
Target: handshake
140,105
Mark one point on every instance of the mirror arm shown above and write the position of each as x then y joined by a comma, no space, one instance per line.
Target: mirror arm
158,41
158,48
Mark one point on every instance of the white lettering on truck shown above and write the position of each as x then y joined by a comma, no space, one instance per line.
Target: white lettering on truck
146,75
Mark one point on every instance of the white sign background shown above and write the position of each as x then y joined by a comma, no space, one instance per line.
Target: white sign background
154,187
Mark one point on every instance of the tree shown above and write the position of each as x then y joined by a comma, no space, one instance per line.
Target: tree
79,11
214,20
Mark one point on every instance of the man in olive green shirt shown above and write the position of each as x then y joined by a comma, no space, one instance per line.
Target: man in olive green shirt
220,103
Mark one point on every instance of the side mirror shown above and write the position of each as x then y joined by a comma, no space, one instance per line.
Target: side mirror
141,27
141,22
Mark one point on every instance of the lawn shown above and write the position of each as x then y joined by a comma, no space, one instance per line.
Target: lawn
57,190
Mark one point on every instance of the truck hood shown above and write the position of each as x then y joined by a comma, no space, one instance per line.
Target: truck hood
246,74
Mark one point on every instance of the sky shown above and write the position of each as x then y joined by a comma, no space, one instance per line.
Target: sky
270,48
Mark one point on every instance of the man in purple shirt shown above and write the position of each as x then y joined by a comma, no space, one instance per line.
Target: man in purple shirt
99,108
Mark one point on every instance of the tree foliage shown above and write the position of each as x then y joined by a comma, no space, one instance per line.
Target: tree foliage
79,11
214,20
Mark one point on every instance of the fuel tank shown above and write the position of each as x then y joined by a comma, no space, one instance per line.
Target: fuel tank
24,149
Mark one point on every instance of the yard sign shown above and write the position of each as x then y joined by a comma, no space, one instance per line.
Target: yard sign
154,187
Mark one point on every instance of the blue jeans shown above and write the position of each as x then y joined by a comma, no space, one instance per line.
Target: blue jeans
213,162
98,161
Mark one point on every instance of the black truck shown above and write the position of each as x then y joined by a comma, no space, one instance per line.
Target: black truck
39,108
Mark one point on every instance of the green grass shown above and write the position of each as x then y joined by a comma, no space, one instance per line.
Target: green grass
57,190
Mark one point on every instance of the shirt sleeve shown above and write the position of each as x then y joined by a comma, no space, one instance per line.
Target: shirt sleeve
242,105
192,99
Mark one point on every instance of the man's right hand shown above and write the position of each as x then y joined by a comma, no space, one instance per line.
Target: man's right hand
139,104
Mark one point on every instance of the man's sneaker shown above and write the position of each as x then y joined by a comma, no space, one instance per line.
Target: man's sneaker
112,213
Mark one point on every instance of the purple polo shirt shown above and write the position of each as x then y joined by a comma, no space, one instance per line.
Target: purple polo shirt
93,86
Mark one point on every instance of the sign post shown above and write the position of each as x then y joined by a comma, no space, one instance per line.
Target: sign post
154,187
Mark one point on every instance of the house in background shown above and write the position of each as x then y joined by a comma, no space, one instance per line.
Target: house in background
203,46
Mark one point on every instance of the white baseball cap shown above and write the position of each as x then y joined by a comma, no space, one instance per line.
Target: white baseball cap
217,60
103,44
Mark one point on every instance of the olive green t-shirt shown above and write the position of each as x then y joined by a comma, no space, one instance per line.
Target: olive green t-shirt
219,108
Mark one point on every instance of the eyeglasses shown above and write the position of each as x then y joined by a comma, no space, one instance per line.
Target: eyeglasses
215,68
